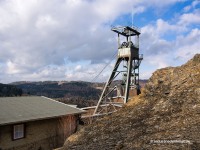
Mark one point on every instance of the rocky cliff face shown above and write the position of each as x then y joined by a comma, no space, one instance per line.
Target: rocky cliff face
165,116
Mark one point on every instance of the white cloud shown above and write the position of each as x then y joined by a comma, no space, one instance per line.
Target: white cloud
164,27
12,68
159,3
89,72
186,8
192,6
152,41
78,67
195,3
45,22
190,18
160,52
188,45
38,36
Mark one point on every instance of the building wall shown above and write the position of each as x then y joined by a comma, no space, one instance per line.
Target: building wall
39,135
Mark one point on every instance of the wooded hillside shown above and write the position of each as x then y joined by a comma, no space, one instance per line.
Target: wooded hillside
9,90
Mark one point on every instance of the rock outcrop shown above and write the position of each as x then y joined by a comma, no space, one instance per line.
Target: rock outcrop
165,116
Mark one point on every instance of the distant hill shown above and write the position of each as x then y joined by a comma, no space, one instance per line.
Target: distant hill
57,89
9,90
60,89
72,92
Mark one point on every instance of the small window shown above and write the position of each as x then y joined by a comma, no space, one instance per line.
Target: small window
18,131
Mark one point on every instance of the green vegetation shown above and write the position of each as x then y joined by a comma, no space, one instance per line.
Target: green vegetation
9,90
53,89
79,93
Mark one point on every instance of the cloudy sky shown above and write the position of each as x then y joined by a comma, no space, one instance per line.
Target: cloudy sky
71,39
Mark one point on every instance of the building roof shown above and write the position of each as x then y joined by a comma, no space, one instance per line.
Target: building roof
23,109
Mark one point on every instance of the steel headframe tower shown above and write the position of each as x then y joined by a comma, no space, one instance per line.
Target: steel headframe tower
128,52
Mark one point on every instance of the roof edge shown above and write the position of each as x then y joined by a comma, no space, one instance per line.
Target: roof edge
38,119
61,103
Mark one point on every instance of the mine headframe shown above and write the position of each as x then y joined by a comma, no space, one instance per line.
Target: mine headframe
127,64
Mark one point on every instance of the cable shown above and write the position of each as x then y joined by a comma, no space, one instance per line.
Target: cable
112,57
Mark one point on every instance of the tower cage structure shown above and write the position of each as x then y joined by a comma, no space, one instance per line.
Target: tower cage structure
127,64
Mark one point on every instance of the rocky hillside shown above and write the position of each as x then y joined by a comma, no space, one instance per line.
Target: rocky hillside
165,116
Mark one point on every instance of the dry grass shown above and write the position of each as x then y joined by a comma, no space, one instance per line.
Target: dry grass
168,109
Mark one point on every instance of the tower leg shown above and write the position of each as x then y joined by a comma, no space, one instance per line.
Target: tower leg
108,83
128,79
